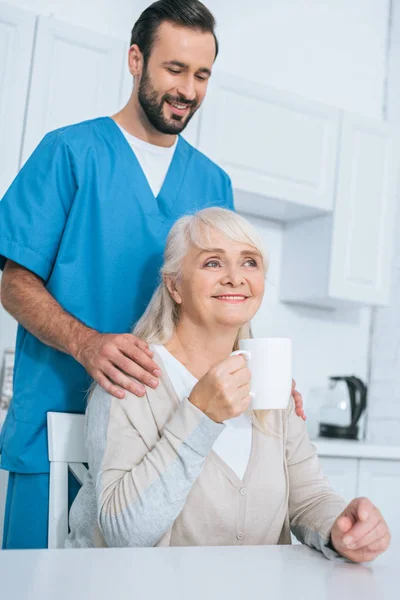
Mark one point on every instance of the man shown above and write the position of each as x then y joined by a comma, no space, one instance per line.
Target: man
82,231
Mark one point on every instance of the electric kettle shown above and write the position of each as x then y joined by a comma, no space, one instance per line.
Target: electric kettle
345,402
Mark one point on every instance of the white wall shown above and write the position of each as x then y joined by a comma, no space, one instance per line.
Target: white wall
111,17
384,400
329,50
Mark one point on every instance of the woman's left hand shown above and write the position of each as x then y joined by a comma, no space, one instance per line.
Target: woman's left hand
360,533
298,401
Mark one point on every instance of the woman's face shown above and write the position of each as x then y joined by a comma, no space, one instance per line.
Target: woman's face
223,286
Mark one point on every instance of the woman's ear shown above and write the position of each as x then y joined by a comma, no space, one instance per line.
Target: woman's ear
173,290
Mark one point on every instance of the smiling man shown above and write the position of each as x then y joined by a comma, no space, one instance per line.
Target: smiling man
82,232
100,197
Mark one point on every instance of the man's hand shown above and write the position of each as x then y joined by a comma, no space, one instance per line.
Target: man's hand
298,401
360,533
112,359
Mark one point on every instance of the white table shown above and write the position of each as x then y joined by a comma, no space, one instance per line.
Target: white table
229,573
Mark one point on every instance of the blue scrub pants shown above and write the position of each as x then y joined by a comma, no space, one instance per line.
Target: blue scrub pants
27,508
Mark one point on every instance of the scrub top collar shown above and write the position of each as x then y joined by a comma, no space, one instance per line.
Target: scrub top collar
167,199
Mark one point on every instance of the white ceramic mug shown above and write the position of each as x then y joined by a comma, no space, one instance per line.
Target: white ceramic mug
270,363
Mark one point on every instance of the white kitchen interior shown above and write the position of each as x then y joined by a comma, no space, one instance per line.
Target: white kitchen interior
303,113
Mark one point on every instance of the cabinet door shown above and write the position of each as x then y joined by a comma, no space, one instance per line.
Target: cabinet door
77,75
363,226
342,474
279,149
16,42
380,482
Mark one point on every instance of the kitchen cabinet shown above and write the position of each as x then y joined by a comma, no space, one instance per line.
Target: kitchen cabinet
17,28
345,258
380,481
279,149
61,94
342,475
356,468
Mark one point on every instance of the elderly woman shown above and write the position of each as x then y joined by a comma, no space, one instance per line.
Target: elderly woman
190,464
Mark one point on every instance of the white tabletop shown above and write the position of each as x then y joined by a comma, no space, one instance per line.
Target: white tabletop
228,573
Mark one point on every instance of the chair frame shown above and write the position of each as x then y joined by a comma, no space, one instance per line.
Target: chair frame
67,452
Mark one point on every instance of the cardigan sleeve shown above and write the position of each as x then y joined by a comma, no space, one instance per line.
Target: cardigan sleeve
141,490
313,504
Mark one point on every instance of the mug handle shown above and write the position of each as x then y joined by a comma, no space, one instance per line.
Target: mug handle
247,356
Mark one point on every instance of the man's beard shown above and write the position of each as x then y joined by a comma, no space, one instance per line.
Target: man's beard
153,108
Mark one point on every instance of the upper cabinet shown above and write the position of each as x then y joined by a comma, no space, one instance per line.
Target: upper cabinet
17,29
329,176
60,94
279,149
346,257
363,224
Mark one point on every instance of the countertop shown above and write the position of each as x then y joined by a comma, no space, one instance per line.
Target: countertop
355,449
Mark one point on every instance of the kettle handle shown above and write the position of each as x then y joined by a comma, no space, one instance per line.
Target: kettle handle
357,406
362,404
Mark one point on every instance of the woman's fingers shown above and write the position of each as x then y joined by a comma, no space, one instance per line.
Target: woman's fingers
366,518
373,536
370,552
378,546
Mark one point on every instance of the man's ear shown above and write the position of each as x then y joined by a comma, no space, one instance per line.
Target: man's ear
135,61
173,289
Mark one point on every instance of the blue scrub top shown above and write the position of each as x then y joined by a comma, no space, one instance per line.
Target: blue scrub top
81,215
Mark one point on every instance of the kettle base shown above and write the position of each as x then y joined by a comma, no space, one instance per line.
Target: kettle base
338,431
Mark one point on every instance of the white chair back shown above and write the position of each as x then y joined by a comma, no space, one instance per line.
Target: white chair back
66,452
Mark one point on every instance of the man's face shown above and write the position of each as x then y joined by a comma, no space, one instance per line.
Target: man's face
174,81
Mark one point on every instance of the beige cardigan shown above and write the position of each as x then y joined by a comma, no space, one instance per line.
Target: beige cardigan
154,479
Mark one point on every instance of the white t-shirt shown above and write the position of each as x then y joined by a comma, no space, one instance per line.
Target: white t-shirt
154,160
234,443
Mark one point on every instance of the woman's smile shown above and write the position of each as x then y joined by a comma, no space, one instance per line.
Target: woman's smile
232,298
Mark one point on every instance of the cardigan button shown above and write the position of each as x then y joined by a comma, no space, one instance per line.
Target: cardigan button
239,536
243,491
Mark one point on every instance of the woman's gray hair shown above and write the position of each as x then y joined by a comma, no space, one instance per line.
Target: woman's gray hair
158,323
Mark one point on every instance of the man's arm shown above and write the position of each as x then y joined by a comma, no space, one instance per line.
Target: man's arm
110,359
24,296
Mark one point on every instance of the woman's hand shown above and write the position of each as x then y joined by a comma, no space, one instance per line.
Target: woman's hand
360,533
298,401
224,391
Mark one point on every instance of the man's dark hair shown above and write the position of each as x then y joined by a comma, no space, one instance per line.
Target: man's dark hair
184,13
